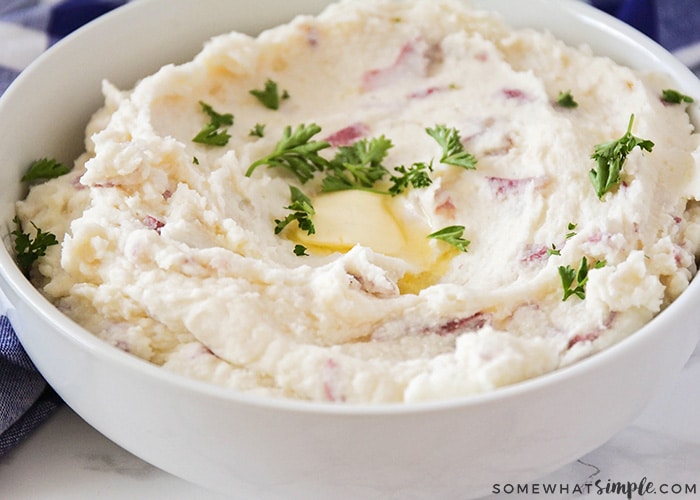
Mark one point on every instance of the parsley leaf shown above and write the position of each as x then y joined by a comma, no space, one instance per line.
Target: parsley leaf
574,281
610,158
258,130
554,250
46,168
417,175
302,210
214,133
269,96
453,152
296,152
453,236
300,251
566,100
358,166
28,249
674,97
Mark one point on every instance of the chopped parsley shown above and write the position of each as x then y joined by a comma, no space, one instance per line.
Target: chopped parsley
574,280
28,249
270,96
566,100
258,130
417,176
453,236
46,168
296,152
674,97
214,133
554,250
358,166
570,227
453,152
302,210
300,251
610,157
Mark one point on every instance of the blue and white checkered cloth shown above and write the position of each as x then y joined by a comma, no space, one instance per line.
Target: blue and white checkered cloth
28,27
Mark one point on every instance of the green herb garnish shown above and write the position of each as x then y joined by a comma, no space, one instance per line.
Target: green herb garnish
566,100
674,97
417,176
610,158
297,153
270,96
300,251
28,249
574,281
453,152
358,166
46,168
302,210
258,130
214,133
453,236
554,250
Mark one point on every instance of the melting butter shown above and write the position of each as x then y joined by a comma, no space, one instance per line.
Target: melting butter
344,219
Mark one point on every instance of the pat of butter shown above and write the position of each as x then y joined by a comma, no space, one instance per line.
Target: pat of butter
344,219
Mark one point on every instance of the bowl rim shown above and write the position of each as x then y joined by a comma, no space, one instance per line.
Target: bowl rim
81,337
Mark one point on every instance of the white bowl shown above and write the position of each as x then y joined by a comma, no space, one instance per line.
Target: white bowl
258,448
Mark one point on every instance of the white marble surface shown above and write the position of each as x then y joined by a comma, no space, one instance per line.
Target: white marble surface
66,459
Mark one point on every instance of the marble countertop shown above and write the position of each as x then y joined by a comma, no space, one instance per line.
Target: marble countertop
67,459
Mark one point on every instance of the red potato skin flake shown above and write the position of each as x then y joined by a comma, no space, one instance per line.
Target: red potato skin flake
470,323
678,257
77,184
122,346
503,186
482,56
501,150
446,208
591,336
410,59
422,94
348,135
516,94
152,223
329,376
588,337
311,36
534,253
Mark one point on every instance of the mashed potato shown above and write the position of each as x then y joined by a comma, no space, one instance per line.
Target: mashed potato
197,255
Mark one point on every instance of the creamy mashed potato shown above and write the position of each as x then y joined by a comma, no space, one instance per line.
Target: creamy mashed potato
168,248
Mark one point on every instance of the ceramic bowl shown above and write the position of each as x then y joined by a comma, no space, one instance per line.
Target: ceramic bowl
251,447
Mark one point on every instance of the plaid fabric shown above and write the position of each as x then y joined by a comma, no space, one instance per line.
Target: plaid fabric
28,27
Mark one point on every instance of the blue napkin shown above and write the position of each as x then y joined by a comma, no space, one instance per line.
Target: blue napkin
28,27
